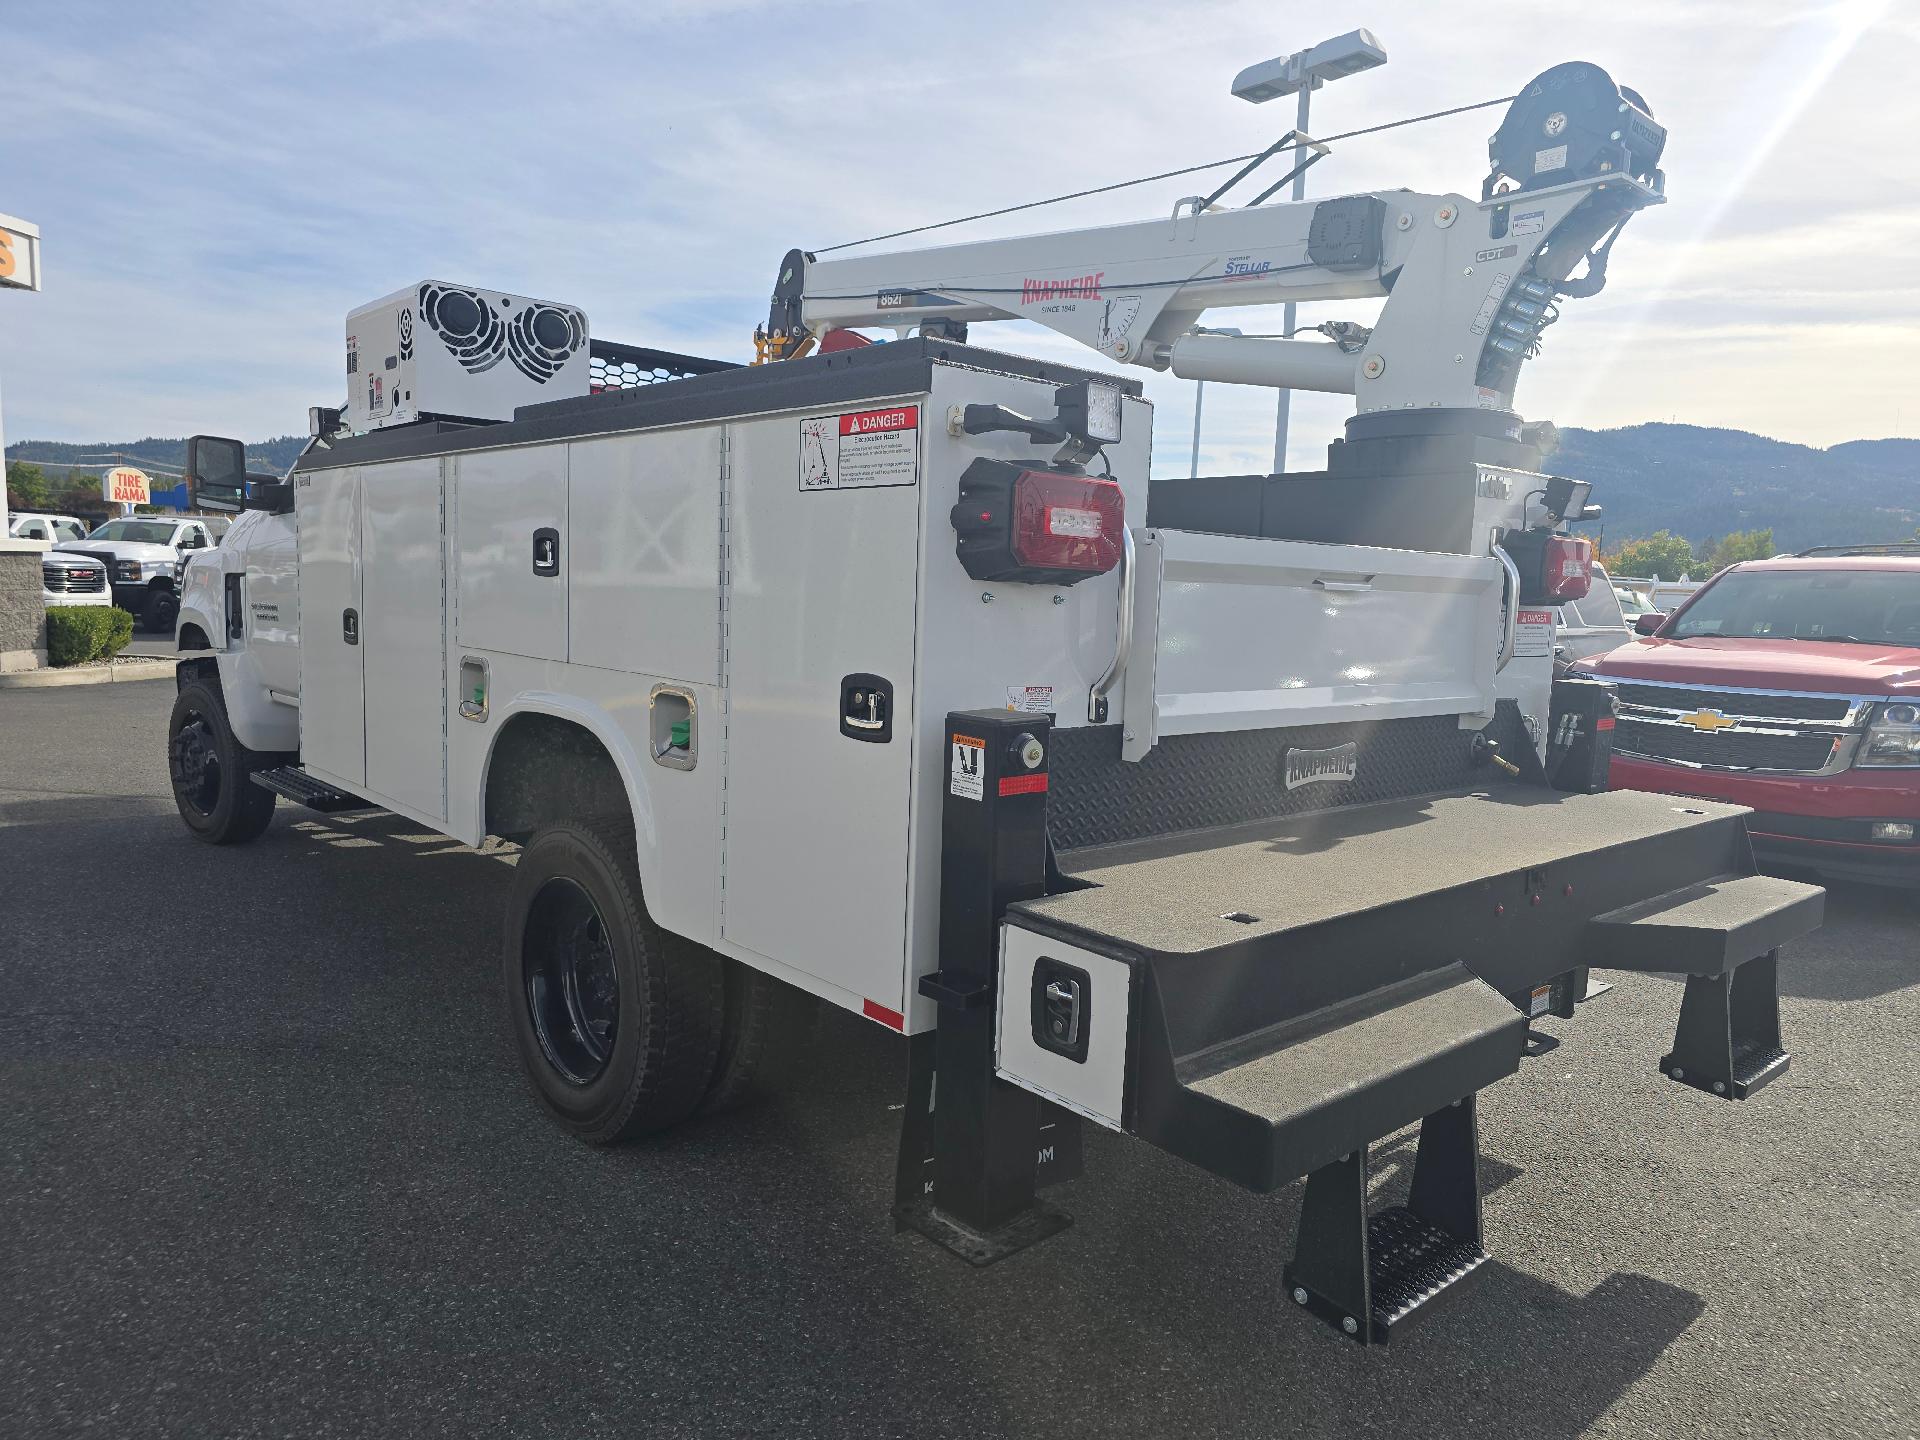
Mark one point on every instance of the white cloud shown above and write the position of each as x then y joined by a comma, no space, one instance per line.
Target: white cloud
219,184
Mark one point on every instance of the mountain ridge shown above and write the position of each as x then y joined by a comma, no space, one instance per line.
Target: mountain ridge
1694,480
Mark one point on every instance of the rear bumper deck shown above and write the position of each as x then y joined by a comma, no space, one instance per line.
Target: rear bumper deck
1302,987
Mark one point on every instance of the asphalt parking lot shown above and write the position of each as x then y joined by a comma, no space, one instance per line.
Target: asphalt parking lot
268,1168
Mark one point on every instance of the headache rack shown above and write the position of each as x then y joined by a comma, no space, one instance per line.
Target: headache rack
614,366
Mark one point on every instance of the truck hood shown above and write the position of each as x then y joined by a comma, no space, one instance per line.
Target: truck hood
122,549
1815,665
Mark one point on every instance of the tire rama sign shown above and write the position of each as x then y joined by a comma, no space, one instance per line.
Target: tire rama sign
19,254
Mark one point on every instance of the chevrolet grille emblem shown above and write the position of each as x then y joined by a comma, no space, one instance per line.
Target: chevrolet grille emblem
1709,720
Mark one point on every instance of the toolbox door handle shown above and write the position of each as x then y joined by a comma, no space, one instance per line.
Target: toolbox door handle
1345,587
350,626
546,551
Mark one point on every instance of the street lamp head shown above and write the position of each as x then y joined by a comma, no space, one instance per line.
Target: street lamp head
1333,59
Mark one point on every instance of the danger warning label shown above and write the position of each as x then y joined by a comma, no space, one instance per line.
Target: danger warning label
861,450
966,767
1533,633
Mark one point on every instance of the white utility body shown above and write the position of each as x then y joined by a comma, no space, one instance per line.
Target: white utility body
1226,812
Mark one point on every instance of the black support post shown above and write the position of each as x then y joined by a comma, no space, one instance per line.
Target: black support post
1728,1039
984,1134
1370,1274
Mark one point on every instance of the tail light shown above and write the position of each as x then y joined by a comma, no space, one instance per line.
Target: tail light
1569,568
1040,527
1553,568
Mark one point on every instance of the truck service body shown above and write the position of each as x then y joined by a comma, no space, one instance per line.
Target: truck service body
1243,815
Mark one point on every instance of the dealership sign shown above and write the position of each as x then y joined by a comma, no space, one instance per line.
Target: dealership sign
19,254
124,485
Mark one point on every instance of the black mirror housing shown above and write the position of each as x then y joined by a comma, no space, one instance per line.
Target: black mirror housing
265,492
216,472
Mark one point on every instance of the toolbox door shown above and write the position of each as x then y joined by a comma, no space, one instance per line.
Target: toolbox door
403,636
333,716
822,587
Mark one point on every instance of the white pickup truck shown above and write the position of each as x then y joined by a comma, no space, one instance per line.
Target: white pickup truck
142,554
1241,815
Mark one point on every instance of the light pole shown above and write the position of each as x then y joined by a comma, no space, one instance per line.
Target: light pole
1199,397
1303,72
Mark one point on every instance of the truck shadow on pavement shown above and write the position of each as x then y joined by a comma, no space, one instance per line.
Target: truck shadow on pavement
308,1190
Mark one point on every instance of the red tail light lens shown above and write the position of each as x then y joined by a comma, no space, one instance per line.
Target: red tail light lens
1067,522
1568,571
1041,527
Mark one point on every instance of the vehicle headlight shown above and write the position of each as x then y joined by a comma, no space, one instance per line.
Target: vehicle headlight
126,569
1894,736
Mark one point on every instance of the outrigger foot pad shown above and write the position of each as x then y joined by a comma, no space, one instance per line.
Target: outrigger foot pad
1366,1274
1037,1222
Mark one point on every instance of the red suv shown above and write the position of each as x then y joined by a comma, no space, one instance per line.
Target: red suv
1792,686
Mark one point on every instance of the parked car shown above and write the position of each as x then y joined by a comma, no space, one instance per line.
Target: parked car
141,554
1593,624
73,580
52,528
1790,685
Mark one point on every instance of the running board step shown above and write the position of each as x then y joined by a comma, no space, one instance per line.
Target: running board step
1367,1274
290,782
1724,936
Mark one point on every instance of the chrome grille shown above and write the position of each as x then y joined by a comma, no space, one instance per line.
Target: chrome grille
72,580
1734,749
1734,702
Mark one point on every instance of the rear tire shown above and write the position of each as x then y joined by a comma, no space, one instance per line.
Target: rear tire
212,771
617,1025
769,1022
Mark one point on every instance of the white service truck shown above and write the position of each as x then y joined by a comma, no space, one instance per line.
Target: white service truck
1243,815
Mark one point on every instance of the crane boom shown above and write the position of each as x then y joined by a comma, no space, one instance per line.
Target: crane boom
1469,284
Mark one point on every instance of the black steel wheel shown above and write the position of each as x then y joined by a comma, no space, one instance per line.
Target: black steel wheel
163,611
618,1026
211,770
572,984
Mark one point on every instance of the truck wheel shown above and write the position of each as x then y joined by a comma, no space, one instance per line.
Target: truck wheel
618,1026
163,610
211,770
768,1022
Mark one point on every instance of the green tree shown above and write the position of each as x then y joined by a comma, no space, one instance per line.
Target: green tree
1661,556
28,487
1732,548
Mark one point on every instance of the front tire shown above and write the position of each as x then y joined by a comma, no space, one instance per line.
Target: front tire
618,1026
163,611
212,771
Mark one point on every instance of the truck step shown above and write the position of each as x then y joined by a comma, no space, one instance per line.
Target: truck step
1724,935
1368,1274
290,782
1705,929
1287,1100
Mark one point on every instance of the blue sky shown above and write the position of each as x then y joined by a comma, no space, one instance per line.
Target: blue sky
217,184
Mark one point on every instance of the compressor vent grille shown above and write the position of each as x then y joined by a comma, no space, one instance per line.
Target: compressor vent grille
473,334
542,338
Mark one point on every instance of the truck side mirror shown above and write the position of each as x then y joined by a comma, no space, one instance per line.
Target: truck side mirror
216,473
1648,624
264,492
